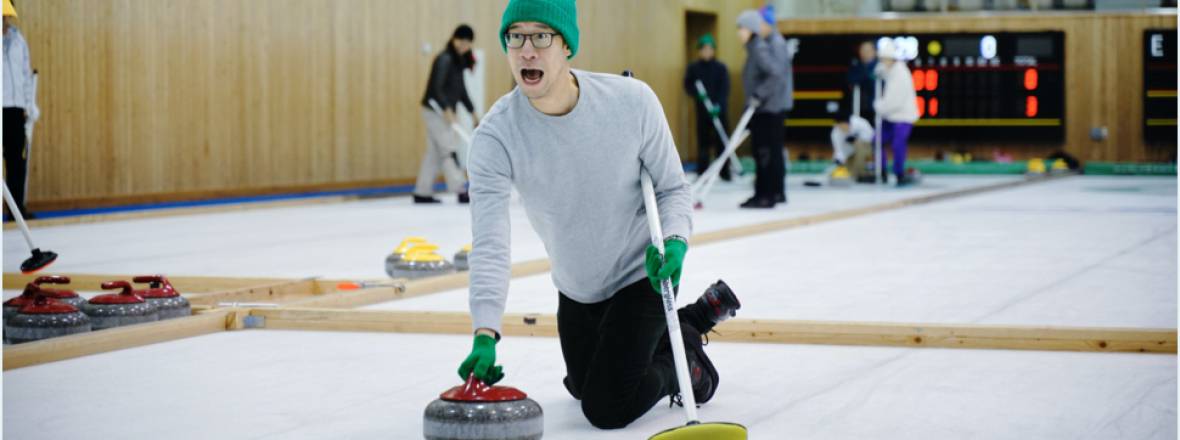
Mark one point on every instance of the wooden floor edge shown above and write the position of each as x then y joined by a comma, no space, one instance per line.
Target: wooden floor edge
914,335
102,341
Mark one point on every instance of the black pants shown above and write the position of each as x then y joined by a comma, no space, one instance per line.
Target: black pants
16,154
768,133
616,358
709,141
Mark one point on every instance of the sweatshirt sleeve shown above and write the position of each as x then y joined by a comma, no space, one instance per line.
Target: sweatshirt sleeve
838,145
659,156
490,260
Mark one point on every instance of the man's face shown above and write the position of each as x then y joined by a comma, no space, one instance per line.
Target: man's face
706,52
462,46
537,70
867,52
744,35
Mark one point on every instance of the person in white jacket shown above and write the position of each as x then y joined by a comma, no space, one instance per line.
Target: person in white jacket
20,108
852,138
897,107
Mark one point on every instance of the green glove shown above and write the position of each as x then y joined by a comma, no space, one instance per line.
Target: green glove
673,261
482,361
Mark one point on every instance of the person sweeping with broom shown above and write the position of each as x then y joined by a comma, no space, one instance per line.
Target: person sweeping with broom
573,144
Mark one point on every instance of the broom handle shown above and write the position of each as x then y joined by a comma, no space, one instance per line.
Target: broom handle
734,167
674,338
20,219
878,151
704,182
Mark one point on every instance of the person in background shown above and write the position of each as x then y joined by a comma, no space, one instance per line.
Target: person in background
898,108
766,78
20,108
852,138
444,92
860,75
715,77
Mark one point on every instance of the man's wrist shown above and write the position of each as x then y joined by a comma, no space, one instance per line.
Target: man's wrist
488,332
676,237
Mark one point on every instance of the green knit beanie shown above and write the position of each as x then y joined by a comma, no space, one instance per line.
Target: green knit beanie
706,40
561,15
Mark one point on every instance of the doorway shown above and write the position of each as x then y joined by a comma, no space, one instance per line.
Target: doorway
696,24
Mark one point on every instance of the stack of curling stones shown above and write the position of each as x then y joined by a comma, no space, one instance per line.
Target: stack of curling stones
461,258
392,260
119,309
161,295
420,262
475,410
42,317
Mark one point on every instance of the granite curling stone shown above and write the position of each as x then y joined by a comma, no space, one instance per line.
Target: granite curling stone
421,262
461,258
13,306
64,295
45,318
392,259
475,410
119,309
160,294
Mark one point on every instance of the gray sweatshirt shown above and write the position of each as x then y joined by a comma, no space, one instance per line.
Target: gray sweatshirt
578,178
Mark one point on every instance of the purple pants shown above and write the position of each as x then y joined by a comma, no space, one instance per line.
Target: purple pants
895,135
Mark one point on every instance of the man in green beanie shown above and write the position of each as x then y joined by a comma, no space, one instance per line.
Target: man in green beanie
573,143
714,78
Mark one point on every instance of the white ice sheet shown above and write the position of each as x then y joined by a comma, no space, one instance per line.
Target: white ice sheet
1082,251
351,240
309,385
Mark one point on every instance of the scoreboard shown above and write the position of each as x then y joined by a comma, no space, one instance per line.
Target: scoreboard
1159,85
1000,87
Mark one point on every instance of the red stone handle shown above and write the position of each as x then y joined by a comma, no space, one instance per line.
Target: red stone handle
51,279
110,285
155,281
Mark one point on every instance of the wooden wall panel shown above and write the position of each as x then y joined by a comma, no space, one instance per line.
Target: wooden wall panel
151,100
1103,73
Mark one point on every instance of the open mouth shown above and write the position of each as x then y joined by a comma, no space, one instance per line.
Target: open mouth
531,76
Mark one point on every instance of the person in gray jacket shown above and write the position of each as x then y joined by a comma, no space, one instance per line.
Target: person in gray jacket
767,80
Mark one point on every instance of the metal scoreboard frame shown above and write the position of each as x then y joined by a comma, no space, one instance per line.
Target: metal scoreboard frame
994,87
1159,86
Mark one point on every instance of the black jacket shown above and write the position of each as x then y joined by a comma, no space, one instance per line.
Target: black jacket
715,76
446,83
861,74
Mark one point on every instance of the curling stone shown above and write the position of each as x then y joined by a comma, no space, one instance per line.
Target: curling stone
12,306
461,258
840,177
421,262
475,410
45,318
401,249
163,296
1036,167
1059,167
119,309
64,295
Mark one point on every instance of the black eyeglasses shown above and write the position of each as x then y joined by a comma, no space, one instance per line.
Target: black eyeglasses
541,40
